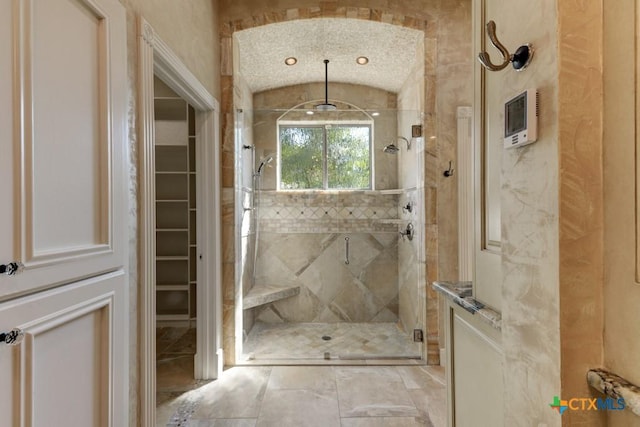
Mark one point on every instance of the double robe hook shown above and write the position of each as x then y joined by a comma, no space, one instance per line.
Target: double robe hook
520,59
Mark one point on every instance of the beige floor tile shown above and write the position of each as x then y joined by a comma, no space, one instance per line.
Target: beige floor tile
175,374
432,401
415,377
236,394
248,422
302,377
373,392
296,408
386,422
239,422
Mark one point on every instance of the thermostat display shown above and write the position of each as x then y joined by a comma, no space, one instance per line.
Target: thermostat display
521,119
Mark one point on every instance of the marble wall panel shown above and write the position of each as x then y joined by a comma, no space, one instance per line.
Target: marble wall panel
581,206
529,212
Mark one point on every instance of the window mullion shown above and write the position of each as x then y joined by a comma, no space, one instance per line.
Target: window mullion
325,163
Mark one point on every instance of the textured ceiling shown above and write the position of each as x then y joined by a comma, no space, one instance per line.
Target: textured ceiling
392,51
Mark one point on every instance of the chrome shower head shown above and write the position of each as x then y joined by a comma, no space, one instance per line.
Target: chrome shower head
391,149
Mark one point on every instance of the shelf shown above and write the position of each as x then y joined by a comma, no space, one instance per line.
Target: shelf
172,302
170,243
172,187
175,178
173,286
171,158
264,294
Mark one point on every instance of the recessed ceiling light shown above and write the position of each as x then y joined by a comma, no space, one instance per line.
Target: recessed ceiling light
309,112
290,61
362,60
375,114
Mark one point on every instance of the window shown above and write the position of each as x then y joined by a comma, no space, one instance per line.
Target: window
329,156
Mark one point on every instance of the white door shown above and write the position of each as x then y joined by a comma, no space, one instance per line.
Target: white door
62,171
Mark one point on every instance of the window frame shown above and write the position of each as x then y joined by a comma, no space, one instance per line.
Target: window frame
325,173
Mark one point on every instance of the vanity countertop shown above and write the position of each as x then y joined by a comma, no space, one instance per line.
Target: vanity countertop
461,294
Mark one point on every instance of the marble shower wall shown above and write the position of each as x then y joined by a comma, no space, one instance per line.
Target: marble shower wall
302,242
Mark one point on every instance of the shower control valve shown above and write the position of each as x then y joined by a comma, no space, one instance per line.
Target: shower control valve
408,232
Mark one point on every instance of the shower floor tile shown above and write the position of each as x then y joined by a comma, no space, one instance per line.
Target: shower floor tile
300,342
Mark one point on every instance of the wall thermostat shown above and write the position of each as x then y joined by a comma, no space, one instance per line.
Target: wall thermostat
521,119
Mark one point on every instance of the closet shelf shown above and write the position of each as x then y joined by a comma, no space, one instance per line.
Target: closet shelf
172,258
264,294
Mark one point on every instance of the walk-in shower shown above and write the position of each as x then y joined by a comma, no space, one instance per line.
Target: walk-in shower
326,269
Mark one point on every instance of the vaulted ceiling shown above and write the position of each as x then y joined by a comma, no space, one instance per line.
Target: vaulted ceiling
392,51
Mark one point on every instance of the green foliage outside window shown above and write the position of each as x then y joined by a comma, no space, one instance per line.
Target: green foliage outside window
303,164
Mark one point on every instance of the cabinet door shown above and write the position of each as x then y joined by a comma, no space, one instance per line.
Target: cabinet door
70,368
62,139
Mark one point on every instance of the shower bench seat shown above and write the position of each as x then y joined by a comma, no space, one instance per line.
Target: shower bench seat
264,294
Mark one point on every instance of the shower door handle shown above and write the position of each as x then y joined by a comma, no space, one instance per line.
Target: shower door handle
346,249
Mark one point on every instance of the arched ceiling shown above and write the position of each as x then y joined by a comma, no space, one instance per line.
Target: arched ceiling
392,51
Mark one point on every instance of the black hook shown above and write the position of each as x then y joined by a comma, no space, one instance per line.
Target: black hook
449,172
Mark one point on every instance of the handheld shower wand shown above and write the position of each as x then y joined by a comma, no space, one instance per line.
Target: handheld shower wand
264,162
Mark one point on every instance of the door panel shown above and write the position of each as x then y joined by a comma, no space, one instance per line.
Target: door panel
62,141
72,109
71,366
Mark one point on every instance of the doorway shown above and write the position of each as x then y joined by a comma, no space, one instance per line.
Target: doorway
157,60
176,241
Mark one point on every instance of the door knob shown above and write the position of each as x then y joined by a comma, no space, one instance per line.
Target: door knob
11,268
13,337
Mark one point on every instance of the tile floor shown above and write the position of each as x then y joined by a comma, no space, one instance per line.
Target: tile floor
300,341
296,396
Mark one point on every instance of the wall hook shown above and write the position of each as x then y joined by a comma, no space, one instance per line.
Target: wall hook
449,172
520,59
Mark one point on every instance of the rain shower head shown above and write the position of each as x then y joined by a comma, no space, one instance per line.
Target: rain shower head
391,149
326,106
